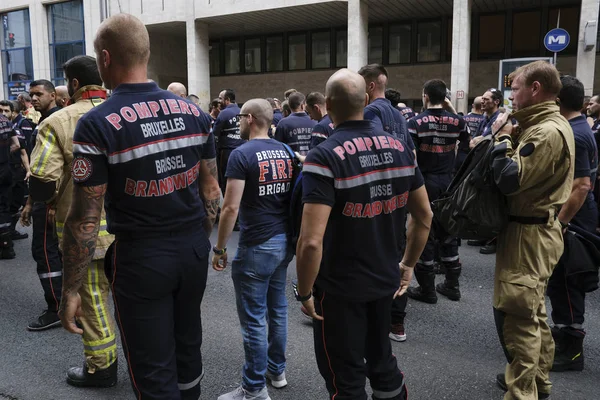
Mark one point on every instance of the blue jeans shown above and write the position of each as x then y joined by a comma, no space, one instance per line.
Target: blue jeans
259,276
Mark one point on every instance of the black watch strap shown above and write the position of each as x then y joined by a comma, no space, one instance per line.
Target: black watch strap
219,252
302,298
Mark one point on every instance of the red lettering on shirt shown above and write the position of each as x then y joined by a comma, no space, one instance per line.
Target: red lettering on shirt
114,120
154,107
140,190
263,169
142,110
185,109
281,169
164,107
173,106
129,186
128,114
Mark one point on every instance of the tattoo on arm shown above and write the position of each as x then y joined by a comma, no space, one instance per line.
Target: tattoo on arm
211,193
80,234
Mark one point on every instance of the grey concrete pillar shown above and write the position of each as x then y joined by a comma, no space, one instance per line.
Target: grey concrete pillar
198,66
586,56
461,53
358,34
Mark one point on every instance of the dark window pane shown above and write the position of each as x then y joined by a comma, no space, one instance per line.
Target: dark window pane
321,50
63,53
297,51
491,34
569,21
232,57
526,33
66,22
215,58
375,45
17,65
449,41
428,41
252,55
274,53
400,37
15,30
341,49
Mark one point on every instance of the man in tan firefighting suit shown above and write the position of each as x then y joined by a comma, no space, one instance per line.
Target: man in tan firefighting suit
533,165
52,181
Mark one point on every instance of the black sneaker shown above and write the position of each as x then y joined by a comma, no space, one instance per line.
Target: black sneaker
103,378
501,382
16,235
48,319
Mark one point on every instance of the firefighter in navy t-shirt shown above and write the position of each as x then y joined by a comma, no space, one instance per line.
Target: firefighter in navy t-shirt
473,119
316,109
8,142
259,174
226,130
358,186
564,289
149,156
380,110
395,98
296,129
436,133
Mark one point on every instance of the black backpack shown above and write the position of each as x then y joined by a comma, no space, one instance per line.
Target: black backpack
473,207
296,206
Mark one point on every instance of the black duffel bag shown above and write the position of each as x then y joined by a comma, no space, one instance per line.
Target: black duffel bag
473,207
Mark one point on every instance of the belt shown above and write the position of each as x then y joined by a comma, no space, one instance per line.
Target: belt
528,220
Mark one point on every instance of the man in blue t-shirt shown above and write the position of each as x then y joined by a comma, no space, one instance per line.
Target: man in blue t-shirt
380,110
149,156
296,129
315,107
260,177
8,143
226,130
473,119
357,188
564,290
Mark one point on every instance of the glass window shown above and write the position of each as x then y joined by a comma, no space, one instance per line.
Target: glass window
428,41
569,21
376,45
526,33
297,51
400,38
321,50
252,55
491,35
66,35
16,55
275,53
341,49
214,57
232,57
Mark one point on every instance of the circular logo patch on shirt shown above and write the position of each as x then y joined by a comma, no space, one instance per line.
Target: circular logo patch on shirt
82,169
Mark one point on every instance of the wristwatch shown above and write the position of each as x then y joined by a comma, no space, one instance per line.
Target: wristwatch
219,252
302,298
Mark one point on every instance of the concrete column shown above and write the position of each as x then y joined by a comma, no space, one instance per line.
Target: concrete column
461,53
198,66
586,58
92,16
358,34
40,47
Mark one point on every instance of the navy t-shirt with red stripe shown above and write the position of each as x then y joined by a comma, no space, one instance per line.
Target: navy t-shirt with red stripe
146,144
366,176
435,133
322,130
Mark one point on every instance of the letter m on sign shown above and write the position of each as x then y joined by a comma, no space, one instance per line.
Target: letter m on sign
561,39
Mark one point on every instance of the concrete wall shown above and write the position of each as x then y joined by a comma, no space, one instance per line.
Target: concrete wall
168,61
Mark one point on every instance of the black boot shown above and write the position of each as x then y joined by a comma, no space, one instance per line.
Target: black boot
450,287
568,353
439,268
7,252
80,377
14,233
426,291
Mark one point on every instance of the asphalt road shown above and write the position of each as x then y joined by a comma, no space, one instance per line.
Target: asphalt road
452,351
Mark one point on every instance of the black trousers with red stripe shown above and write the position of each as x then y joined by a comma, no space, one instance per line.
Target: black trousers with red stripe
158,283
44,249
351,333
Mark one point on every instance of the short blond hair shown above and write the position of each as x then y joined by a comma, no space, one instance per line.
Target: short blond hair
539,71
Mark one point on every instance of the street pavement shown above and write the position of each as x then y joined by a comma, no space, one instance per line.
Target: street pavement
452,351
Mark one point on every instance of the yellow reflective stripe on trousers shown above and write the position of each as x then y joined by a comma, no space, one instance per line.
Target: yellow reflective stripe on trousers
96,296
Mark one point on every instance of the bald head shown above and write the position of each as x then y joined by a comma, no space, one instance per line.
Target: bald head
178,89
125,38
477,103
345,96
256,124
62,96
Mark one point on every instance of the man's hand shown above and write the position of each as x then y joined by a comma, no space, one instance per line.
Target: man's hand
406,274
27,176
215,262
70,307
310,307
503,125
475,141
26,215
51,216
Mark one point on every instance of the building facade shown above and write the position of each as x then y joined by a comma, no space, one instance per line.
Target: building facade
260,48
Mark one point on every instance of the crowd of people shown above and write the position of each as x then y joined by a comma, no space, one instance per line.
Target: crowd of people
123,190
